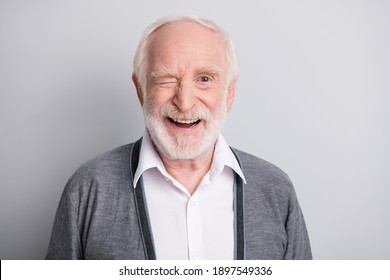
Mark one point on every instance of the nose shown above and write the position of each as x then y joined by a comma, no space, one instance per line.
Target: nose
184,98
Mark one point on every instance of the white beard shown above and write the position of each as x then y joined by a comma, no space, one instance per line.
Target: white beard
184,146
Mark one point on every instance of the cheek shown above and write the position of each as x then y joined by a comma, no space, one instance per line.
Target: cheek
215,101
153,103
160,96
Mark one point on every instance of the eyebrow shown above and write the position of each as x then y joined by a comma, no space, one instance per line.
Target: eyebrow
162,72
212,69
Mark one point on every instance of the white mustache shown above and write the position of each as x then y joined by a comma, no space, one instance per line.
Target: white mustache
199,112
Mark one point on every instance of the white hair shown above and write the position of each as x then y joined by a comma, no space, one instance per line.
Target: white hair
140,58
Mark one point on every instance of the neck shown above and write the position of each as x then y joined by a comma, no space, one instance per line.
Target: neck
190,172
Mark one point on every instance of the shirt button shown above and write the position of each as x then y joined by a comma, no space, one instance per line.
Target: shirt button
166,179
193,203
196,255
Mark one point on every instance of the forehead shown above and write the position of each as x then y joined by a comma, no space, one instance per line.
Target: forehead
184,44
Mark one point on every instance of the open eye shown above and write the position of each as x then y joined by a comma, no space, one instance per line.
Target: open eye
204,81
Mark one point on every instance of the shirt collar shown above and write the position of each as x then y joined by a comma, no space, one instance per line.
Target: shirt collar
223,156
149,158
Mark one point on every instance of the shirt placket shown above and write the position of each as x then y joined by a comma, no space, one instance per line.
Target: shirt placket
194,229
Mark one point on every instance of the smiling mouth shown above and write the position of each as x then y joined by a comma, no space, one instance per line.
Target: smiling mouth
184,123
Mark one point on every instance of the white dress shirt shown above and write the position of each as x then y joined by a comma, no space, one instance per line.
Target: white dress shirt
184,226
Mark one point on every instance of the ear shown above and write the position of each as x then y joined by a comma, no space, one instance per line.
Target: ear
138,88
230,94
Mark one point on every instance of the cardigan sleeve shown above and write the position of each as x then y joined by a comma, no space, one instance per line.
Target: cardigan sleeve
65,238
298,245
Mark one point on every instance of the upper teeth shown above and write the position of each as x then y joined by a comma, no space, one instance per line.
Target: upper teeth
186,121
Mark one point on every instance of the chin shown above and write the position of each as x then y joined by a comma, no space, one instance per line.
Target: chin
181,147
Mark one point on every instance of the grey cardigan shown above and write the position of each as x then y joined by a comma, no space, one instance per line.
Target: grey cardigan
102,216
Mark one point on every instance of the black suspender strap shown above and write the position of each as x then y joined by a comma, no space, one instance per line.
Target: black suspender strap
141,207
239,237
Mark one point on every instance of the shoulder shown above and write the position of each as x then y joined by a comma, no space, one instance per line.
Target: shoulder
263,175
109,169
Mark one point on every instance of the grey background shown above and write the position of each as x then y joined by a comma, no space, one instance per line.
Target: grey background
312,97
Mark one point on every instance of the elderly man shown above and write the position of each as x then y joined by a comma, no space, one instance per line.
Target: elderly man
180,192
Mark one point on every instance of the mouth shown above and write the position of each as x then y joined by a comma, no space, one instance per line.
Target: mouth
184,123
